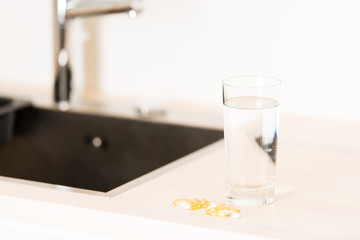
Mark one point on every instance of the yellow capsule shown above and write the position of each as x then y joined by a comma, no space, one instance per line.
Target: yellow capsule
205,203
226,212
189,204
211,211
222,210
217,213
195,205
178,202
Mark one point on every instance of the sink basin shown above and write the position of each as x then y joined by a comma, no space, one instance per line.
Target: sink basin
93,152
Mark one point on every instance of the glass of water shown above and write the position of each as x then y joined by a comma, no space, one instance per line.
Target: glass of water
251,121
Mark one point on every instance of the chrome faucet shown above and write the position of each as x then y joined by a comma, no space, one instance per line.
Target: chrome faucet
67,10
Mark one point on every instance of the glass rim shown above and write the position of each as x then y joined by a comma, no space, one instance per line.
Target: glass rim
274,81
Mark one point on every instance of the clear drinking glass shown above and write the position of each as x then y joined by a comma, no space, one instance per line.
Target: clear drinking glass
251,121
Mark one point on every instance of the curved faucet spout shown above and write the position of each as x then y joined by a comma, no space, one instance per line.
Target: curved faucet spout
77,8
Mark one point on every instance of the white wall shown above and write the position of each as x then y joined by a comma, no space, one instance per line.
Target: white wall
182,49
26,42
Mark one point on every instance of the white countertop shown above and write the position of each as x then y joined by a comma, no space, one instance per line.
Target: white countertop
317,194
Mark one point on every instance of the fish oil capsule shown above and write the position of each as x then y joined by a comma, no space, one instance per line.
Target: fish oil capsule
193,204
211,212
212,209
182,202
196,206
178,202
222,210
218,213
205,203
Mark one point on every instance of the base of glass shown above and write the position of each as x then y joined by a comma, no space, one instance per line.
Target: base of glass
251,196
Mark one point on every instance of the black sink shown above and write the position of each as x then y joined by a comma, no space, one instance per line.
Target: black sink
90,151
